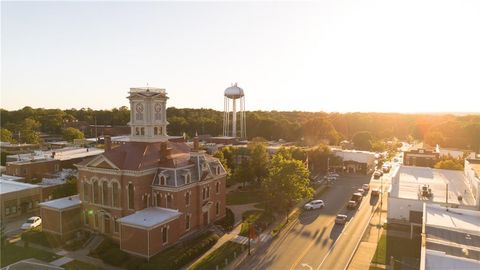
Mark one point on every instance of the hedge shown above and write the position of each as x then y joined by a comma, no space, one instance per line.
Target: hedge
228,221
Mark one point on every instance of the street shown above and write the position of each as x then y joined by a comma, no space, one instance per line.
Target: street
315,241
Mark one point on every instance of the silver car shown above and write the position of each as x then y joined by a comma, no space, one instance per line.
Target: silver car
341,219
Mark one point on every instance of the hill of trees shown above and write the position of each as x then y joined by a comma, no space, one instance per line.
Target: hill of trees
307,127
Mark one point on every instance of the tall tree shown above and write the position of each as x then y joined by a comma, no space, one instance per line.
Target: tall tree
362,140
70,134
6,135
259,159
287,183
28,131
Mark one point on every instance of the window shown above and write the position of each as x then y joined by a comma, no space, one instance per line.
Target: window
217,170
7,211
116,194
217,208
105,193
159,199
208,192
187,198
96,192
155,131
203,193
164,235
86,191
163,180
116,226
106,224
188,178
96,220
217,187
14,209
137,131
187,222
142,131
169,200
131,196
85,218
57,167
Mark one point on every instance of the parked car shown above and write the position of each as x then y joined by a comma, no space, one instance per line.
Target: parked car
375,192
366,187
355,200
315,204
31,223
333,174
362,191
330,178
341,219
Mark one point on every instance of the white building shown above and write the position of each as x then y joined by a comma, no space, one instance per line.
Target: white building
356,161
450,238
406,196
472,173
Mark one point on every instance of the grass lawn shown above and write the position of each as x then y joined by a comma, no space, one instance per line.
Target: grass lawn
12,253
381,251
79,265
244,197
226,251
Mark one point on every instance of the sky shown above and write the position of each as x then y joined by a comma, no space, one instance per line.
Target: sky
333,56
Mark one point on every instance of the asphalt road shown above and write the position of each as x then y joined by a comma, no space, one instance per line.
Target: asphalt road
315,241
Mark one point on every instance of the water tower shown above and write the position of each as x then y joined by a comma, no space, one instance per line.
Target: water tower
234,93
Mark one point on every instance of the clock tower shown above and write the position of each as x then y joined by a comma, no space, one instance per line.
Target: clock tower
148,114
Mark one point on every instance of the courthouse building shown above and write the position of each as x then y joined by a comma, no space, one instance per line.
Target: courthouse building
149,191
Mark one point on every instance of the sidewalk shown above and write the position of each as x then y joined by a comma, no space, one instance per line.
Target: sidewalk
366,250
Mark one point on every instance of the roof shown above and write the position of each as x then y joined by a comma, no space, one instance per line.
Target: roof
146,155
408,180
151,217
355,155
62,203
8,186
11,177
65,153
452,238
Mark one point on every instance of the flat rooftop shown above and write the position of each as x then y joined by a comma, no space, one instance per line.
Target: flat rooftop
150,217
62,203
452,238
408,181
8,186
66,153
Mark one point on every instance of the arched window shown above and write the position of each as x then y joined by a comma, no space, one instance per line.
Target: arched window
105,193
86,191
217,187
96,192
159,200
142,131
155,131
137,131
217,170
115,194
131,196
161,131
217,208
187,222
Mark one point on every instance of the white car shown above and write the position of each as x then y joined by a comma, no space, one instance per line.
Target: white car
315,204
366,187
334,174
31,223
341,219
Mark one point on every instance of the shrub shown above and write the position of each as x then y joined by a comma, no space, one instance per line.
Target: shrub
135,263
114,256
41,238
177,256
228,221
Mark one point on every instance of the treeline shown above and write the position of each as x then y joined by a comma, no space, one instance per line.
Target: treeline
306,127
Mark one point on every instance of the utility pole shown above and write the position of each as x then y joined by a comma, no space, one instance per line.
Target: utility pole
249,236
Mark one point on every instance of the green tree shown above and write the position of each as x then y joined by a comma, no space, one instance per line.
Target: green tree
433,138
259,159
362,140
221,158
319,129
244,173
6,135
67,189
70,134
449,164
28,130
287,183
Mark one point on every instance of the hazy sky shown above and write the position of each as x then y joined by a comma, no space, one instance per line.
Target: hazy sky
405,56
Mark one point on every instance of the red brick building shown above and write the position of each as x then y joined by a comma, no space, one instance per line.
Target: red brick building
149,192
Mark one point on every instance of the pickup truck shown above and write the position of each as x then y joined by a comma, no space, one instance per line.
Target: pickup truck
355,200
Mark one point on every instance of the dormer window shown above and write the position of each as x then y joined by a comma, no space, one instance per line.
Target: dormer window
217,170
188,178
163,180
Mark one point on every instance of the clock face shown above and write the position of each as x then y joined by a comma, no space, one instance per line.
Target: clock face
158,107
139,107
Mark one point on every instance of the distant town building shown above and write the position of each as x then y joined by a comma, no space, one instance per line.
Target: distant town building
411,187
450,238
355,161
421,157
472,173
148,192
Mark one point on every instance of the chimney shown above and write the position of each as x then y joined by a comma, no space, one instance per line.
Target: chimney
196,144
108,143
164,150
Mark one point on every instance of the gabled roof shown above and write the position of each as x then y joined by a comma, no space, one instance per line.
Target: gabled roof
143,155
